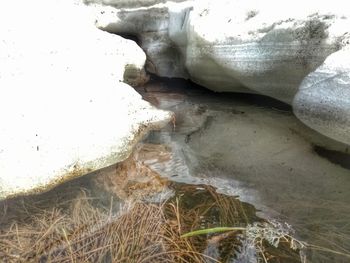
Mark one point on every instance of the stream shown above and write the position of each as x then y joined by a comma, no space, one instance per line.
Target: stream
227,160
253,147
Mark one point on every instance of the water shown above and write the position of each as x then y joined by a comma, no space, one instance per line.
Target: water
227,160
255,148
86,221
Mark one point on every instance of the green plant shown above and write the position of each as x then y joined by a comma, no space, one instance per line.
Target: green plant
212,230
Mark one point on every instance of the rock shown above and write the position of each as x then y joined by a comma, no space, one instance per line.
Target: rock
246,46
151,27
267,48
239,46
64,110
323,100
129,3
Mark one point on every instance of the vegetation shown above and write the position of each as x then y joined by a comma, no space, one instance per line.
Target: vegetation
73,226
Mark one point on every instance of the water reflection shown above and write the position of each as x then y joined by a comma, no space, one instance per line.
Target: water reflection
259,149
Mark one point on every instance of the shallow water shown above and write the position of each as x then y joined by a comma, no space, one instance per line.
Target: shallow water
227,160
255,148
86,221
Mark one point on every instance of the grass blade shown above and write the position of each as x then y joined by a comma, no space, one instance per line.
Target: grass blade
212,230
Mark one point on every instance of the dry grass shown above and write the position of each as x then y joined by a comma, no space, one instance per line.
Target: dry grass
70,227
80,232
88,234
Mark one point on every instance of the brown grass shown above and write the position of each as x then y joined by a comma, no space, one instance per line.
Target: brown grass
87,234
139,233
71,226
